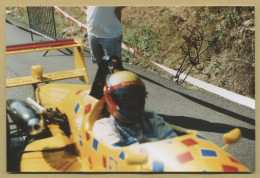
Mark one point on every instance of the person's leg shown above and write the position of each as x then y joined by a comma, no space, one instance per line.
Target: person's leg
96,49
112,46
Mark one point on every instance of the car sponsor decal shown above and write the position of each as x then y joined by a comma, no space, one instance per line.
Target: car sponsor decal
227,168
112,164
78,92
87,109
76,108
208,153
234,160
122,155
87,136
90,162
104,160
189,142
185,157
158,166
79,122
199,136
95,144
80,140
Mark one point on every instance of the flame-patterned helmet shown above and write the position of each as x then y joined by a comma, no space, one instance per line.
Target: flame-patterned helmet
125,96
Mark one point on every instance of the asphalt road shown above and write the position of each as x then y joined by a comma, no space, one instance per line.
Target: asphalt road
191,109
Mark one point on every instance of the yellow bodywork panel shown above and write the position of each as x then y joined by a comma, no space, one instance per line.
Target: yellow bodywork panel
187,153
53,154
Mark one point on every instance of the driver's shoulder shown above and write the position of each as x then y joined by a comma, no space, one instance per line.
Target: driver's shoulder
105,121
151,115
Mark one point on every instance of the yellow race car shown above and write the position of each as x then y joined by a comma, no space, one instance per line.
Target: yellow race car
53,133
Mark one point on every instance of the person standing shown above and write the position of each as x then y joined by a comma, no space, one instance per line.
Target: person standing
104,31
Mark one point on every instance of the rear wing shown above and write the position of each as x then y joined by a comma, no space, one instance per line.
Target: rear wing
38,76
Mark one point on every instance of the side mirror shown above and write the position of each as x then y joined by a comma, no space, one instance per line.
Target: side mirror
231,137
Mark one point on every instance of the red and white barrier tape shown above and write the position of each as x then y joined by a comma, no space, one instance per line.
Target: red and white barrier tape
8,12
131,50
206,86
81,25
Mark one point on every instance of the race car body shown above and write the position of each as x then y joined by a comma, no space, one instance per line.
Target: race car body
66,142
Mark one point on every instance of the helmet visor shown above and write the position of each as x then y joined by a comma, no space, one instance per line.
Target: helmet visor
131,98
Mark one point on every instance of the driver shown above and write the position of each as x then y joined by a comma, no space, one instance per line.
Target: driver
128,122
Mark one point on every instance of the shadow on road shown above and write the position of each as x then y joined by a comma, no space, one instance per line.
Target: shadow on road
206,104
202,125
22,28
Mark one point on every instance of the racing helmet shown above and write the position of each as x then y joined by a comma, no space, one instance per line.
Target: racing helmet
125,96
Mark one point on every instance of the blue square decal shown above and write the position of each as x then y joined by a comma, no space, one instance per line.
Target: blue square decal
169,142
158,166
76,108
208,153
80,140
95,144
122,155
199,136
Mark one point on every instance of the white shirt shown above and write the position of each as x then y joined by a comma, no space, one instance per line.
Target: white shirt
106,130
102,22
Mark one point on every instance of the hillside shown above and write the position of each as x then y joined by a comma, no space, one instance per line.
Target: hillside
227,41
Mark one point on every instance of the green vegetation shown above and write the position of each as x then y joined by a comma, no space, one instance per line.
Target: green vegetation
227,51
19,15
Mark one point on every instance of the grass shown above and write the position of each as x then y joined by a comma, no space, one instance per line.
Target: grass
142,39
19,15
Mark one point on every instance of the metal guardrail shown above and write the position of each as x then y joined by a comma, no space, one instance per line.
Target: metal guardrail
41,20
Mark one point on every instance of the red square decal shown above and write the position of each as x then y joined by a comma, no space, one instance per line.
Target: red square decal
87,136
104,162
87,108
185,157
189,142
227,168
90,162
233,160
78,92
